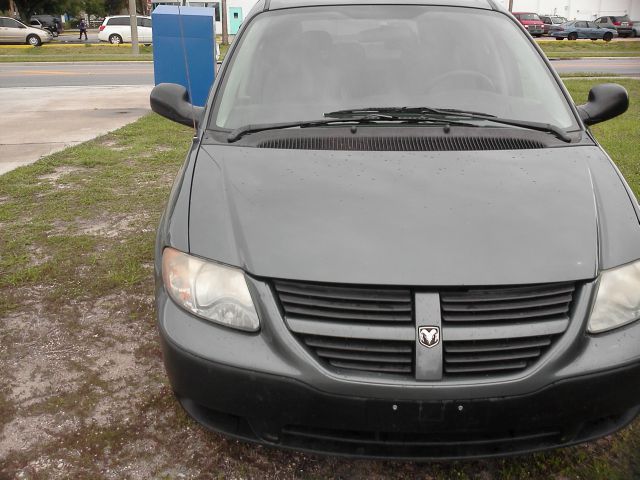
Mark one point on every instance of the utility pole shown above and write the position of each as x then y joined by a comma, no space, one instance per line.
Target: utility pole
135,49
223,19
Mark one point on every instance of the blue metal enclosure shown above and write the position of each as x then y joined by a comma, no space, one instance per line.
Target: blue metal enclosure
184,48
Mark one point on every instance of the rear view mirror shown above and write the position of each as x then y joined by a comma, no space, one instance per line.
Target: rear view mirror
605,101
172,101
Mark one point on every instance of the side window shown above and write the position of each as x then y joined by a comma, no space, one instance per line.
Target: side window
146,22
9,22
139,22
119,21
592,25
599,20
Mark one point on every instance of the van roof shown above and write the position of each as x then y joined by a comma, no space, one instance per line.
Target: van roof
280,4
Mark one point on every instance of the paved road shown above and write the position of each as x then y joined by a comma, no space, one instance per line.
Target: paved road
141,73
75,74
92,36
619,66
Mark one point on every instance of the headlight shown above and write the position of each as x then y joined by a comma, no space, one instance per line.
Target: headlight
618,298
209,290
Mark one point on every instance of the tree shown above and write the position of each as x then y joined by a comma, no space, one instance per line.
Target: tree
223,18
27,8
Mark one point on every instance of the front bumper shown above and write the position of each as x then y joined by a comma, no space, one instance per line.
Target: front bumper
265,387
283,412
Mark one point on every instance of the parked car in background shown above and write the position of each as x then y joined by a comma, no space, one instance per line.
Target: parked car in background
621,24
531,22
38,24
48,22
14,31
117,29
550,22
582,29
411,258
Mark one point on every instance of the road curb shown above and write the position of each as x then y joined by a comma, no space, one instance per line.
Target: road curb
553,59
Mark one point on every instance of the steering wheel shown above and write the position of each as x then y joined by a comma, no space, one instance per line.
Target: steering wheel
463,74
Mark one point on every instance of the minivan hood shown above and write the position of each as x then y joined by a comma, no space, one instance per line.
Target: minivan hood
397,218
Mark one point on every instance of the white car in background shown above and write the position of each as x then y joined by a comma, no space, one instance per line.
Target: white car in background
117,29
14,31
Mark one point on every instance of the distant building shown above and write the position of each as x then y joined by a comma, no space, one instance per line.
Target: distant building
237,10
578,9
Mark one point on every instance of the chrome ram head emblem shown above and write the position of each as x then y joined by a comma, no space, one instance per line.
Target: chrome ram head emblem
429,336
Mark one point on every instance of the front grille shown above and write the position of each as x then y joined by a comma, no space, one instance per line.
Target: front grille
522,312
333,306
404,144
486,332
418,444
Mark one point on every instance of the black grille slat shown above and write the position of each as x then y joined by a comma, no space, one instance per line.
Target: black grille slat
405,144
494,357
433,438
504,294
358,345
514,305
345,293
371,367
496,346
557,312
363,357
485,368
370,316
340,304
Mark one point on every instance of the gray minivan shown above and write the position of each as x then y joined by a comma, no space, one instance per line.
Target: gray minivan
388,241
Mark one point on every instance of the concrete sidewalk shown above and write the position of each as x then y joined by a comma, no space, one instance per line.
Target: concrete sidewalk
37,121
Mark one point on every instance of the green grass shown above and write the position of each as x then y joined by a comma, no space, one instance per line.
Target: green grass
77,227
600,75
589,48
620,137
73,53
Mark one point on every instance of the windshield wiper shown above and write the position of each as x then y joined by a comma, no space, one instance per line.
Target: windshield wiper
429,113
410,112
355,118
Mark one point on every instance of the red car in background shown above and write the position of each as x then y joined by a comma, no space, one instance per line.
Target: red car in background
531,22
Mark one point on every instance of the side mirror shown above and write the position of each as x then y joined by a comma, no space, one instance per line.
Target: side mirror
605,101
172,101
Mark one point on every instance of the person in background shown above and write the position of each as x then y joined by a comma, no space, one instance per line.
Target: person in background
83,29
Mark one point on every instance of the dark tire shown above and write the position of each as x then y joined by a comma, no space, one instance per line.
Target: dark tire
607,37
559,38
572,36
115,39
34,40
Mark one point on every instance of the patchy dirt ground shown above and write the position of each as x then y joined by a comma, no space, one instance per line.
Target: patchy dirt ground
83,391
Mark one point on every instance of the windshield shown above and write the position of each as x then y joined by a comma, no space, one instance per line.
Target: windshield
297,64
528,16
